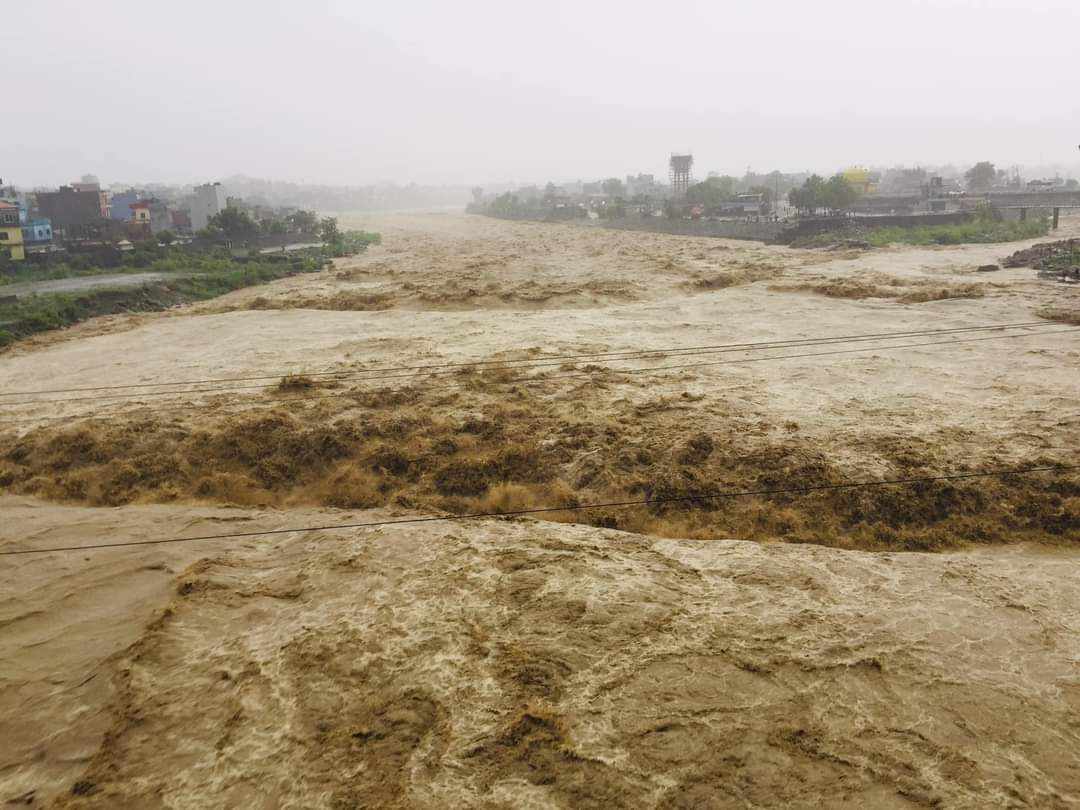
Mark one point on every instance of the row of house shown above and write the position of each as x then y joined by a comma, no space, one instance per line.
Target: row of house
18,233
83,212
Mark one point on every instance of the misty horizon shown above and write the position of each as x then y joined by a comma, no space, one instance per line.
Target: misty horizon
334,94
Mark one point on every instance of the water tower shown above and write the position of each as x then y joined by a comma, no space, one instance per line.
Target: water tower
679,173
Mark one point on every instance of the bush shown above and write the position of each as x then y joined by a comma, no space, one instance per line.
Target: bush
463,477
983,229
349,243
210,277
352,488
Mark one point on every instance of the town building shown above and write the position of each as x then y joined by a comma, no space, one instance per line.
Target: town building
72,212
11,235
861,179
120,205
208,202
90,185
150,217
642,184
37,233
181,221
1046,184
744,205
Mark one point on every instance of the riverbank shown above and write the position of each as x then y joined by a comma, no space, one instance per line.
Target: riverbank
954,228
78,299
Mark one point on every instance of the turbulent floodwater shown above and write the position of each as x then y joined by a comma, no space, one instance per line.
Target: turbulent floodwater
642,661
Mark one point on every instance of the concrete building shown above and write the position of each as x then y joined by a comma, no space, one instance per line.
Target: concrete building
209,201
862,179
71,211
899,181
181,221
150,216
641,184
90,185
120,205
37,234
11,235
743,205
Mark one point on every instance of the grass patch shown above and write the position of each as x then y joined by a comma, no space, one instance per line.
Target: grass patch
214,276
981,230
26,272
144,257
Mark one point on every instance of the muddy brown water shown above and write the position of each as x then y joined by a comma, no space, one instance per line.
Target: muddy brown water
532,664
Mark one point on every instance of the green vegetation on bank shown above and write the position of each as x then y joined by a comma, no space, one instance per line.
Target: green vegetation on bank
191,275
201,278
25,272
835,194
224,240
981,230
1059,257
105,260
338,244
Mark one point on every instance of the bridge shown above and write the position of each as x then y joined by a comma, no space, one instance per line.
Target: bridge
1023,200
1032,199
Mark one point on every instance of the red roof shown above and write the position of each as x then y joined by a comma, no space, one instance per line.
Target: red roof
6,204
140,204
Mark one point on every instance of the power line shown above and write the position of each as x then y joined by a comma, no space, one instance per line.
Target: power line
581,376
550,360
658,353
550,509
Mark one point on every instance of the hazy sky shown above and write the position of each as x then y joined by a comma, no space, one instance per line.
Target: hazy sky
485,90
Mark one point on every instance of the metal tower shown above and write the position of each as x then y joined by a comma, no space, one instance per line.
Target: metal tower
679,173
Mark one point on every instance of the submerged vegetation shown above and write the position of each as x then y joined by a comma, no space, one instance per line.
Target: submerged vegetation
339,244
478,448
1070,316
881,285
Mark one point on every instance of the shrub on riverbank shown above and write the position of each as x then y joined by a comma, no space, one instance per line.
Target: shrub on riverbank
983,229
204,277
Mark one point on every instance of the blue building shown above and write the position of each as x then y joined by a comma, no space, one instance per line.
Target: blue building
37,233
120,205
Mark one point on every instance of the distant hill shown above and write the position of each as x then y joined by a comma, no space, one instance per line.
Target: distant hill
385,197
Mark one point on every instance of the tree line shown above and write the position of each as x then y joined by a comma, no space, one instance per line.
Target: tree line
833,195
237,225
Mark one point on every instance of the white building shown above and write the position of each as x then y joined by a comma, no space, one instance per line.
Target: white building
209,200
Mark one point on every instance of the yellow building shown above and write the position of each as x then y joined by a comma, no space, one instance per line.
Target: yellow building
861,179
11,238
